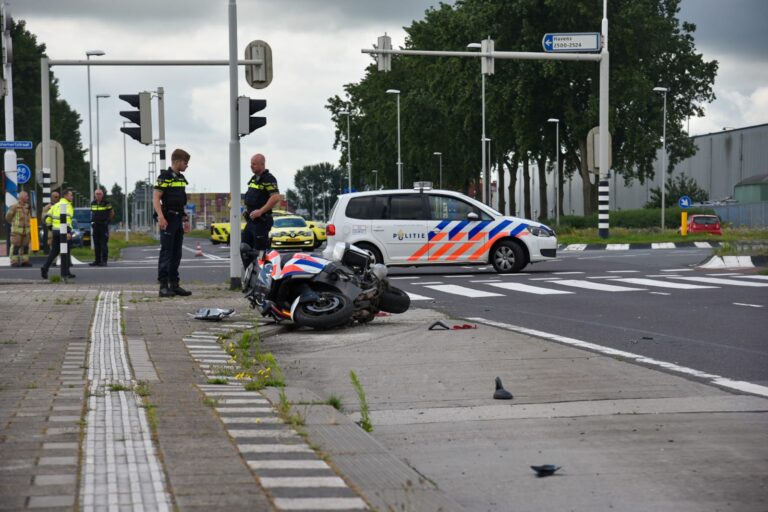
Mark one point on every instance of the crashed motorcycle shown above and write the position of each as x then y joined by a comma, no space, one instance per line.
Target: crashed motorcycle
344,286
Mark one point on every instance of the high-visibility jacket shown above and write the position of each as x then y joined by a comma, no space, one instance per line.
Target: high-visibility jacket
53,218
18,218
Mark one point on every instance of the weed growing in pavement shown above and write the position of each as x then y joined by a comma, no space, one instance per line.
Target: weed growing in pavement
119,387
55,279
142,388
257,369
69,301
335,402
210,402
285,410
9,342
218,381
32,385
365,418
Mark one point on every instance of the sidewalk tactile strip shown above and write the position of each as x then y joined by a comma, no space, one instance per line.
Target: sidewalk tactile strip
120,466
284,464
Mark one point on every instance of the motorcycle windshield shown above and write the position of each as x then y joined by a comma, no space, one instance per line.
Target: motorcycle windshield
265,276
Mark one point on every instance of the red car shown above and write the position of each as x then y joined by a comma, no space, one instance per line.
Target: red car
704,224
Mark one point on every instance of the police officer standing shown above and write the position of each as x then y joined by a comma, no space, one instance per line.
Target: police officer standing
169,200
261,197
64,206
101,215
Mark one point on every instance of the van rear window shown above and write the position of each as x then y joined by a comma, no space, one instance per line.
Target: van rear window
368,207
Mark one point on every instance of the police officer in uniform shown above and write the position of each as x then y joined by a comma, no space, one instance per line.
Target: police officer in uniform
169,200
101,215
64,206
261,197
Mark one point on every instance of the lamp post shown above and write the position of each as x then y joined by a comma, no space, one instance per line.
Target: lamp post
349,151
483,170
98,144
88,55
125,181
663,90
440,175
557,168
375,179
399,161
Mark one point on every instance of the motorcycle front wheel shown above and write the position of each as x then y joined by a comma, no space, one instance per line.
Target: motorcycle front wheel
331,309
394,300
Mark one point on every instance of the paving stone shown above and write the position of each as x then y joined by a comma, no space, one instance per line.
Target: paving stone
51,501
55,479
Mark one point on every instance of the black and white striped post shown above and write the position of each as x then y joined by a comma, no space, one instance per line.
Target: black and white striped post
46,202
63,245
603,204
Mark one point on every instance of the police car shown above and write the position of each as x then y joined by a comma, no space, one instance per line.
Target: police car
437,227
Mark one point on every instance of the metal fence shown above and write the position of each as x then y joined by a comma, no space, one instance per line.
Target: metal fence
754,215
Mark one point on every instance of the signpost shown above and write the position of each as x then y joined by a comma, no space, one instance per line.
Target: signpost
576,42
684,202
15,144
23,173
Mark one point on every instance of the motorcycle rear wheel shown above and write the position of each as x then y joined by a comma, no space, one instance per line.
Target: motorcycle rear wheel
394,300
332,309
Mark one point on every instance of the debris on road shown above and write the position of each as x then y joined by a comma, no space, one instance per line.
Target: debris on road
212,314
501,393
545,470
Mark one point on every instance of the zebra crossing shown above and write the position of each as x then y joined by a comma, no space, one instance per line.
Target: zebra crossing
293,473
569,283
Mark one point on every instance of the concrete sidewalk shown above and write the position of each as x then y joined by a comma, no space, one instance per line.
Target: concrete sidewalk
103,391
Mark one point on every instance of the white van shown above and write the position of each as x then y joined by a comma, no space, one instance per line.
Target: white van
437,227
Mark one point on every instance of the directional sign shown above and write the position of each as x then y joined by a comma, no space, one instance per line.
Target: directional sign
685,202
15,144
23,173
578,42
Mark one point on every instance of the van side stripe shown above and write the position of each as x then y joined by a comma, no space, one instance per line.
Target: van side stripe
483,250
421,252
518,229
445,248
439,227
458,229
461,250
480,226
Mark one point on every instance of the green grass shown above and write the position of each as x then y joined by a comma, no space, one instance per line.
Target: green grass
116,244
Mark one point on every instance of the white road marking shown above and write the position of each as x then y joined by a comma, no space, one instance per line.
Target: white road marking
721,274
717,380
302,481
426,283
617,247
589,285
622,271
703,245
676,270
519,287
748,305
660,275
663,245
416,296
544,279
402,277
662,284
566,273
601,277
274,448
763,278
288,464
715,280
486,281
320,503
659,293
575,247
463,291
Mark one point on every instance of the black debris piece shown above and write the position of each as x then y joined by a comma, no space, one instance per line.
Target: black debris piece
213,314
501,393
545,470
438,324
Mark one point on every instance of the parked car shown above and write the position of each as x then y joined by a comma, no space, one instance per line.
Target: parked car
703,224
77,234
83,217
437,227
318,229
291,232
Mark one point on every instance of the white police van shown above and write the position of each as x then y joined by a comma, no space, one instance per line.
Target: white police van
437,227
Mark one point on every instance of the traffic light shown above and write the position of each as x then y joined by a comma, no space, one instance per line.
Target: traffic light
245,107
141,117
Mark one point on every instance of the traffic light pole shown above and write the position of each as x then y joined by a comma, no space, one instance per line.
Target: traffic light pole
234,155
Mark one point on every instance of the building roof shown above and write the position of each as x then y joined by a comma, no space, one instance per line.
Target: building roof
758,179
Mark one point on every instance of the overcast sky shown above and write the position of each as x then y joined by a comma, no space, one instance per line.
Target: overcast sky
316,50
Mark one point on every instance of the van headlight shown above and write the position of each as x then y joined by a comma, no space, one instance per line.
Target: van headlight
542,231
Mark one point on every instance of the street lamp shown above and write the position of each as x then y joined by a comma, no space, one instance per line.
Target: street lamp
557,168
98,133
440,155
399,161
483,170
375,179
349,151
88,55
663,90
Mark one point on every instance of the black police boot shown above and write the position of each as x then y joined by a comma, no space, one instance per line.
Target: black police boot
165,290
178,290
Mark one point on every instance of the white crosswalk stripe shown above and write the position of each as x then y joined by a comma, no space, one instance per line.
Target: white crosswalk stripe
723,281
416,296
661,284
463,291
763,278
592,285
519,287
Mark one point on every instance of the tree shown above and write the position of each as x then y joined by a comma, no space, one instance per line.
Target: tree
116,199
317,186
440,97
65,122
674,189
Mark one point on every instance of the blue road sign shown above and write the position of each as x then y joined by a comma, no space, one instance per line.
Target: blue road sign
22,173
15,144
575,42
685,202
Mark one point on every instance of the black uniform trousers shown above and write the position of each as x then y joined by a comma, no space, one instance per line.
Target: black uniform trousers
256,232
171,240
55,250
100,234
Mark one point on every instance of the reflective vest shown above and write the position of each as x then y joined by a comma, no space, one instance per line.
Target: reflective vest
53,218
172,186
259,190
100,212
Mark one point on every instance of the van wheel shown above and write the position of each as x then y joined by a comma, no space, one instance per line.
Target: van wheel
372,248
507,257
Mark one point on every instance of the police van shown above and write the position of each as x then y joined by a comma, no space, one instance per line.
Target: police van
437,227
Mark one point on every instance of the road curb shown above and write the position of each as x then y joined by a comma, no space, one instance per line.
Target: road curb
628,247
734,262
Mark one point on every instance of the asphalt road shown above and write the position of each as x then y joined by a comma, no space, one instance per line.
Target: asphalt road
650,302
